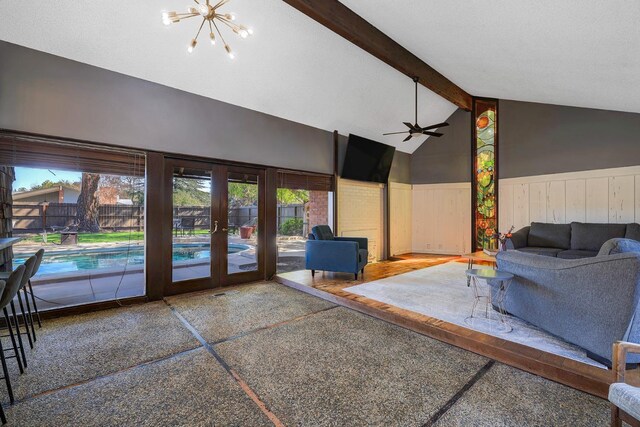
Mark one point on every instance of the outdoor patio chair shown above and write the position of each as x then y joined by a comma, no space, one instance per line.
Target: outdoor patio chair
10,289
188,224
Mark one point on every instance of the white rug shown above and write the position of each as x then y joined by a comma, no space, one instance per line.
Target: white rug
441,292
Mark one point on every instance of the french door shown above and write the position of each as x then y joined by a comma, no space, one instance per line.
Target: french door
215,220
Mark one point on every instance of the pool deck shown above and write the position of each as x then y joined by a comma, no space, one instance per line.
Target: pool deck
68,289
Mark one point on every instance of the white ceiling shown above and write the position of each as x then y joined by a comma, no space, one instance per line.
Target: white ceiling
576,52
292,68
583,53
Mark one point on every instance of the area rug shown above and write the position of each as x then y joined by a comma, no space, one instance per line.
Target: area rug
442,292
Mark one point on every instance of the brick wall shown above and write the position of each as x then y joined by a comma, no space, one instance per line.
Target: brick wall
318,209
7,176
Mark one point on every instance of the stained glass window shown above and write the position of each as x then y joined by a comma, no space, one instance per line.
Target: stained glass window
485,212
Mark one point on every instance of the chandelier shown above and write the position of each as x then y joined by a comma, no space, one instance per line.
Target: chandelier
212,18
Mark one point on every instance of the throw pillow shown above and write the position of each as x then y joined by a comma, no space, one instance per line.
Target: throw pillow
619,246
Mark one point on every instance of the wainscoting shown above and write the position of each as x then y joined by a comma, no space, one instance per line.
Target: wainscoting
441,220
400,214
604,195
361,213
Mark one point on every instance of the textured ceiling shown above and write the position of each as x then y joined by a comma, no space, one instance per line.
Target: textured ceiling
583,53
292,68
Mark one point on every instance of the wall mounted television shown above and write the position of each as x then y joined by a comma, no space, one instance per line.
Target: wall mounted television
367,160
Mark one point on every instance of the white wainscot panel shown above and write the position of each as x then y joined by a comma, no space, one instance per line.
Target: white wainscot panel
441,218
601,196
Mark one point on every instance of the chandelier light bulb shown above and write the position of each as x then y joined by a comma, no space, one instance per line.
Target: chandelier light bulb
192,46
212,37
204,10
192,10
244,34
250,31
229,51
230,16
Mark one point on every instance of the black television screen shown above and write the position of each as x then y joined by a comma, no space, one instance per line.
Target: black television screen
367,160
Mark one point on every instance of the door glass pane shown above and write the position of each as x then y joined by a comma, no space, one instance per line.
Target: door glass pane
242,227
191,251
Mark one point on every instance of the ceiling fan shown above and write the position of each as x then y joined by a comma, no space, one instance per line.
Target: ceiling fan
415,129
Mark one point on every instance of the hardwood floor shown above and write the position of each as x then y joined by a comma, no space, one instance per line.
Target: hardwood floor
330,286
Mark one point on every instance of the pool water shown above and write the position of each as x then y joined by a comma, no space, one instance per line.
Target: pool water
119,257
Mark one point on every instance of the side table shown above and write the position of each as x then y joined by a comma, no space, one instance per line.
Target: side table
484,292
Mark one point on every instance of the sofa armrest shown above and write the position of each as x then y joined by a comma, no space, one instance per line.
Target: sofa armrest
332,255
362,242
620,350
590,302
519,238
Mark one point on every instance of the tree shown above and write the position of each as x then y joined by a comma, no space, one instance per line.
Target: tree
189,192
126,187
292,197
87,210
49,184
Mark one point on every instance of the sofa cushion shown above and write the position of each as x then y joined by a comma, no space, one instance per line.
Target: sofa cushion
576,254
619,246
363,255
541,251
633,231
543,235
625,397
322,232
591,237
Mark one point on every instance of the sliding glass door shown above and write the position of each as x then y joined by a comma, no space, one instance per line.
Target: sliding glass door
215,219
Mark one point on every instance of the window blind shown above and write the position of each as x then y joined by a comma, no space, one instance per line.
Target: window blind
28,151
302,181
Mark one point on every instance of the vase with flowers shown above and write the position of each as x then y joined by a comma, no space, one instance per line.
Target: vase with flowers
503,237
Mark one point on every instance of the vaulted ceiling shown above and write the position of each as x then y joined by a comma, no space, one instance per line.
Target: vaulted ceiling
581,53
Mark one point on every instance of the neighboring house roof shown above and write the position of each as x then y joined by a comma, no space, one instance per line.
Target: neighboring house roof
32,193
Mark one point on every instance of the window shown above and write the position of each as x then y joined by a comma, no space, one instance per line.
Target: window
85,208
304,201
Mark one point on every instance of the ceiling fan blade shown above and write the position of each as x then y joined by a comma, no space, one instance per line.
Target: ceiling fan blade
438,134
395,133
407,138
409,125
439,125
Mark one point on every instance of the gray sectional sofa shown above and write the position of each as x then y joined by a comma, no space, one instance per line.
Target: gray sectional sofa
569,241
585,288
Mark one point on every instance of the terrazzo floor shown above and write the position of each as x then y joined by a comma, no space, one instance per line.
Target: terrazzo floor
265,354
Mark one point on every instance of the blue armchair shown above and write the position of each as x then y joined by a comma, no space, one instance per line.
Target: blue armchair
340,254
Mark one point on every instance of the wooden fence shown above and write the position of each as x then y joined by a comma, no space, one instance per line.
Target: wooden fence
33,217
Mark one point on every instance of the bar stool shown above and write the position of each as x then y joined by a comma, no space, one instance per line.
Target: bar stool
10,290
39,255
29,265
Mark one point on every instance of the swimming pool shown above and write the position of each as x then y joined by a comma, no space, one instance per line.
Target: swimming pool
118,257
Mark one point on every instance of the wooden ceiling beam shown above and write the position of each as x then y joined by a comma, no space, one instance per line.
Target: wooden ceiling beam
348,24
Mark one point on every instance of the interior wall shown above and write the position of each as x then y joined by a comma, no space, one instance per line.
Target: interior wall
441,218
46,94
538,139
400,218
446,159
361,207
602,196
557,164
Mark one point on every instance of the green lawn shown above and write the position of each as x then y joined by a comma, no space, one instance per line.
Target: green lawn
117,236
